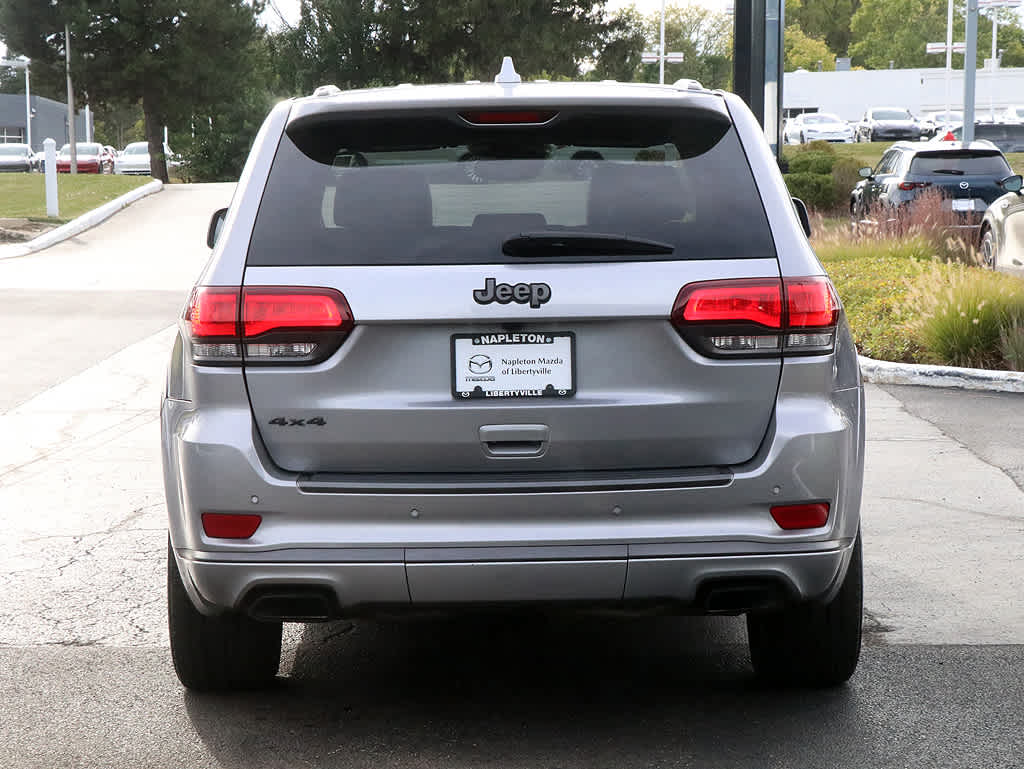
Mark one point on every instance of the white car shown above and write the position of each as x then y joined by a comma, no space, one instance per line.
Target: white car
134,159
816,126
1014,113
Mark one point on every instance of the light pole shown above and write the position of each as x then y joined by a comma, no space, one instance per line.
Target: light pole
71,102
661,50
22,62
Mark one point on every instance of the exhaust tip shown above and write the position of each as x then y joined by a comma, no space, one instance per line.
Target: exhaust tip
740,596
292,604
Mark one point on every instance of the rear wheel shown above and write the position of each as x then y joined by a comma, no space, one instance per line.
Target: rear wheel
988,249
813,644
221,653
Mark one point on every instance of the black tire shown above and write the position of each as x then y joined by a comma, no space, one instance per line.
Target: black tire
814,645
988,249
222,653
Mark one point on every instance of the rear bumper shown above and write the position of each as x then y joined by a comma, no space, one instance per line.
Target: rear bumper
692,582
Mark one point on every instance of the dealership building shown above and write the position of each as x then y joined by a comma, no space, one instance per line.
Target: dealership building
49,120
849,93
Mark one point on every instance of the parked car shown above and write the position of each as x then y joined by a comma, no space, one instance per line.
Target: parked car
817,126
16,157
933,122
1002,230
457,369
134,159
883,124
92,158
1014,114
1008,137
967,176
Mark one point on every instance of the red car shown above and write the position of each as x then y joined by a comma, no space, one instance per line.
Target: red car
92,158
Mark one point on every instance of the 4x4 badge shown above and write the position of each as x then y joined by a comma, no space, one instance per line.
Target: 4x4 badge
503,293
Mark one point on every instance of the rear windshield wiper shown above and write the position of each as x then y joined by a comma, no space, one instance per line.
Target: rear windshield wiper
951,171
581,244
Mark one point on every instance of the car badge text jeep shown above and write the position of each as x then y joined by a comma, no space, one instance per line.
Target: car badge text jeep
503,293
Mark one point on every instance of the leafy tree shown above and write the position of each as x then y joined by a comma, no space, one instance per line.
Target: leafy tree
882,34
703,36
805,52
827,20
174,56
357,43
119,124
621,44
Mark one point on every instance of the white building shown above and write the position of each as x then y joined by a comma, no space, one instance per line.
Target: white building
848,94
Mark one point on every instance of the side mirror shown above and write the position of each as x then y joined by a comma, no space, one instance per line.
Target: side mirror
216,223
867,172
1012,183
802,215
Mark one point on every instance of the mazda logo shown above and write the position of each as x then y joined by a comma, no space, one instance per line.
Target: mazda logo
479,364
964,185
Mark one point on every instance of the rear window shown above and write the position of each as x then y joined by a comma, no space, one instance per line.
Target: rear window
891,114
960,163
435,189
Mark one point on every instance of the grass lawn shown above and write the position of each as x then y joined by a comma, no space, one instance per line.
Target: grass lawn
23,196
868,154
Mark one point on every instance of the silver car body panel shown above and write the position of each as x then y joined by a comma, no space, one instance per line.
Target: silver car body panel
1005,218
603,531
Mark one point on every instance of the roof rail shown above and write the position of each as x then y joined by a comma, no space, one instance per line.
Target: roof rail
327,90
688,84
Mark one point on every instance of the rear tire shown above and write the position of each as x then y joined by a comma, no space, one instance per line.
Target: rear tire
814,645
222,653
988,249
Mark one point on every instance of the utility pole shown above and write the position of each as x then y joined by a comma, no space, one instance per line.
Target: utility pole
970,68
661,50
71,101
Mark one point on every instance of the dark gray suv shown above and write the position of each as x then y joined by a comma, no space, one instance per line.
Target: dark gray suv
506,344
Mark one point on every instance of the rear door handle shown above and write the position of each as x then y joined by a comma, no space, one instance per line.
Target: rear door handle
514,440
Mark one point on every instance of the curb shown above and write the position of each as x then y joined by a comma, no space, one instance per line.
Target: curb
885,372
80,224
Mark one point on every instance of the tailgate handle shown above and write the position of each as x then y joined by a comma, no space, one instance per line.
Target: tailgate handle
514,440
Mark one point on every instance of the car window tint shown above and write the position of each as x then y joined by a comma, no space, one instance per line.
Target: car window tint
437,190
987,163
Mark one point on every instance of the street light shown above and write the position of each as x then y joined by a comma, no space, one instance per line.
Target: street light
22,62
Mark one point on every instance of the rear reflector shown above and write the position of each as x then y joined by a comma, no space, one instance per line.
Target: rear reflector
758,316
809,516
519,117
274,325
230,525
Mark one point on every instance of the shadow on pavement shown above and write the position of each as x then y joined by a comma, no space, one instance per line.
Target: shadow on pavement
529,691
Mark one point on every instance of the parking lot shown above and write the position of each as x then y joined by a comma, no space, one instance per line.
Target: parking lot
85,674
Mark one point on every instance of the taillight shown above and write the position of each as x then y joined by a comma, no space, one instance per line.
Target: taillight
728,318
907,186
273,325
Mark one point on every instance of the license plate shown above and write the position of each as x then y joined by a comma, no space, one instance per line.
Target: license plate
963,205
514,365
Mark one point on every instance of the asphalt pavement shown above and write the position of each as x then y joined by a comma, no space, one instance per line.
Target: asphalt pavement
85,675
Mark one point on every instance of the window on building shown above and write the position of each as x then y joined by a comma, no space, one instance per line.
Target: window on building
12,135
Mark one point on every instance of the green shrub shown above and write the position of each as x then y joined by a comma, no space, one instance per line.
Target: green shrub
961,312
1011,345
819,146
812,163
845,175
816,190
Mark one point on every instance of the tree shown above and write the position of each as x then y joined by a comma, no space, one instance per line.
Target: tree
357,43
622,42
805,52
828,20
174,56
703,36
882,34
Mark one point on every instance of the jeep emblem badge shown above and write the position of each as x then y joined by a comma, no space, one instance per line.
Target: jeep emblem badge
521,293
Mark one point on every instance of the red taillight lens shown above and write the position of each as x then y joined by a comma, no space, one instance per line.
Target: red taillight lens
274,309
230,525
517,117
906,186
274,325
811,303
213,311
809,516
758,316
730,301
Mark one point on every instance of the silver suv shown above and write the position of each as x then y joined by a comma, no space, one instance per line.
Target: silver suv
558,344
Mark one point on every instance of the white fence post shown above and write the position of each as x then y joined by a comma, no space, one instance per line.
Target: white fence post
50,153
